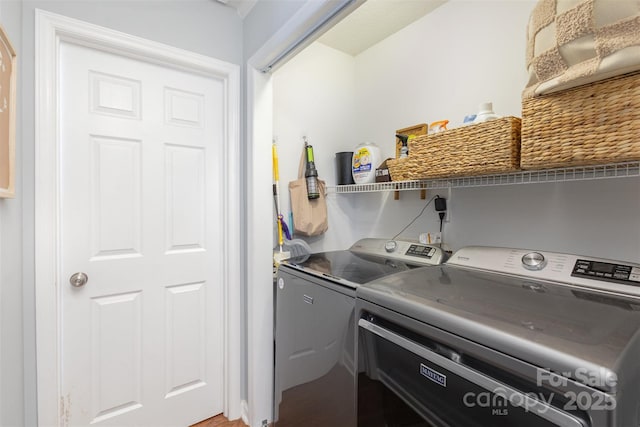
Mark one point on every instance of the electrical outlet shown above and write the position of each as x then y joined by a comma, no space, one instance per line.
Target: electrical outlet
430,238
447,217
264,423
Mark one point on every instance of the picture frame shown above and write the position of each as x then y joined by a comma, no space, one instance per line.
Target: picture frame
8,75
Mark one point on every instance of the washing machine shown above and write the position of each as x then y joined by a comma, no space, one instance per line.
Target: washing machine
501,337
315,326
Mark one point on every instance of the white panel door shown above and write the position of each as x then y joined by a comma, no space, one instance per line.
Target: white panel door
140,215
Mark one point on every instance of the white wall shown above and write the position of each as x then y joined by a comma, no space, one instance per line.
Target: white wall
441,67
314,96
11,300
264,20
201,26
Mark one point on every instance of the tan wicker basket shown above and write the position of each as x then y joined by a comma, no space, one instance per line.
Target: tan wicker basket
483,148
592,124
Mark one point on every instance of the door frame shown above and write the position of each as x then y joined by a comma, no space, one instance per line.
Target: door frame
51,30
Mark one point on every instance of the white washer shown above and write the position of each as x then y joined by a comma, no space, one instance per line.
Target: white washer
505,337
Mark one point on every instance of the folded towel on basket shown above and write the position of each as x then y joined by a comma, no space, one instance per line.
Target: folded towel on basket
571,43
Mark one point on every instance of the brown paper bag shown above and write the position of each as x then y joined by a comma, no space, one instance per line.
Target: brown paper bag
309,216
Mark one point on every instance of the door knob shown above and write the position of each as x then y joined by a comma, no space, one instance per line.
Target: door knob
78,279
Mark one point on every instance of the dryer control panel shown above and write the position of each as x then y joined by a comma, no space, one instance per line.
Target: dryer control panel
421,251
401,250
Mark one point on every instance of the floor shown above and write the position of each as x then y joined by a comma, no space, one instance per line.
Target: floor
220,421
323,402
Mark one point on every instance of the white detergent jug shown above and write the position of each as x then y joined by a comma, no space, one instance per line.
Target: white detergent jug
486,113
366,158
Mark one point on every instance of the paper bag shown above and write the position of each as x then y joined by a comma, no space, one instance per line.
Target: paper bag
309,216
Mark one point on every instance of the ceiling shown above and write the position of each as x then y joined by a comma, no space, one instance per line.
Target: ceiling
242,6
370,23
374,21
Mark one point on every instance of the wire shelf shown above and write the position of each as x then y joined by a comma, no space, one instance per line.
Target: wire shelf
581,173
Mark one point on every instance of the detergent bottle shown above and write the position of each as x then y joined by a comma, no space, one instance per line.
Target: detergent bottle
366,158
485,113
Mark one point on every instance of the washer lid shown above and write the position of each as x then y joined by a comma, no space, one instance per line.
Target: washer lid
550,325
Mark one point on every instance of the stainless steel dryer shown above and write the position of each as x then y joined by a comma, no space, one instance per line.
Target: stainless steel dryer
314,383
502,337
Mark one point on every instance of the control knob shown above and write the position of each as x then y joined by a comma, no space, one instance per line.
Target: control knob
390,246
534,261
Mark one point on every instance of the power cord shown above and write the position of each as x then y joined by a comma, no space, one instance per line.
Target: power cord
418,216
441,208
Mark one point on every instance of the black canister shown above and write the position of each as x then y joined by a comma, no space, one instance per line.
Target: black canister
343,168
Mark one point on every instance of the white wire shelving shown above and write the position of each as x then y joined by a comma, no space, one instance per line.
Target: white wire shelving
581,173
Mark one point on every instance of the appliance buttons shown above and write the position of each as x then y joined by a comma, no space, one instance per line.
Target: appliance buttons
533,261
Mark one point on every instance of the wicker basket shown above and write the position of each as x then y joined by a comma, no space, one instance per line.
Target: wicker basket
483,148
597,123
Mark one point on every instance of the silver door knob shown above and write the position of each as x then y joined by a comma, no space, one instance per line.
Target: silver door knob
78,279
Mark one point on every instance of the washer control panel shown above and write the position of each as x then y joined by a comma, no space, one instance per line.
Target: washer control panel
607,271
586,272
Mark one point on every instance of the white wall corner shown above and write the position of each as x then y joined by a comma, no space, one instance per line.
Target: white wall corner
259,253
244,412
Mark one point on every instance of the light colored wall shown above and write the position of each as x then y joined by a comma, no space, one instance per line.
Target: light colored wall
441,67
314,95
201,26
264,20
11,299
